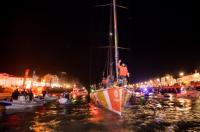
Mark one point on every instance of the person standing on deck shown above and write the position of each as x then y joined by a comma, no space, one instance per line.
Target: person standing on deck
110,80
104,82
123,72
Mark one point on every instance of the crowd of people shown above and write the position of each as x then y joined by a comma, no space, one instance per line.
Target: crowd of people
28,94
123,77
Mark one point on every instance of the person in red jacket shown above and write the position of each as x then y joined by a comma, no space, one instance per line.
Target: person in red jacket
123,72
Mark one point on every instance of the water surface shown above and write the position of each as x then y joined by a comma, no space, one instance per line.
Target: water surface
172,114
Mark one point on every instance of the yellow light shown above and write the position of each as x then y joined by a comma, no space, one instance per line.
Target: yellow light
196,75
181,74
68,86
43,84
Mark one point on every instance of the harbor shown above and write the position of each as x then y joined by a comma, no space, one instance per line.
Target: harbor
154,105
99,66
167,114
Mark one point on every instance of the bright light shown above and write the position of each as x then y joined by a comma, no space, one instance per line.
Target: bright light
55,85
43,84
28,84
92,90
167,77
68,86
181,74
196,75
35,84
145,89
158,79
74,96
111,33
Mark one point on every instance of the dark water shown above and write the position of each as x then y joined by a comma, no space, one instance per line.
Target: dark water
170,114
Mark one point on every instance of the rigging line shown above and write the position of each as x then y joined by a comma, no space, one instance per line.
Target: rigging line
120,6
103,47
103,5
105,67
108,62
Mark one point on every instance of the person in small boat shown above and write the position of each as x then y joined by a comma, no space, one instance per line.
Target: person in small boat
24,93
30,94
123,72
44,93
66,95
15,94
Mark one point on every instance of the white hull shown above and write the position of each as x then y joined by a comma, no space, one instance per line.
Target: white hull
22,105
18,104
63,101
50,98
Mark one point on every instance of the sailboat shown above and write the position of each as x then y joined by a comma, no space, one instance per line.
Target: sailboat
113,97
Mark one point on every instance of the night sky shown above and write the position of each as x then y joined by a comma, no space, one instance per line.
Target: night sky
51,36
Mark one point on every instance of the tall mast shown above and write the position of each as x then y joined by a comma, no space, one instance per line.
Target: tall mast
110,49
116,37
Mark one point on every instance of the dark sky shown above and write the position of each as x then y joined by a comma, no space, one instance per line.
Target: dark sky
63,35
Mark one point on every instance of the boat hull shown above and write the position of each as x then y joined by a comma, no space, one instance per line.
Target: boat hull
113,98
19,105
63,101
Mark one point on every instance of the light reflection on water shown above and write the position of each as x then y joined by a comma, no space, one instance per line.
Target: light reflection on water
176,114
172,114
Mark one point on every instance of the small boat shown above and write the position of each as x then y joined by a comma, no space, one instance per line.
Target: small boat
21,103
79,93
40,99
180,92
188,92
144,91
50,98
64,101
